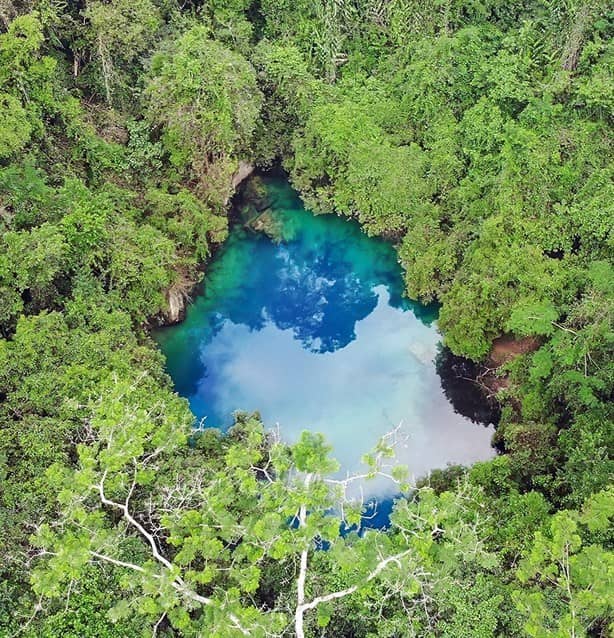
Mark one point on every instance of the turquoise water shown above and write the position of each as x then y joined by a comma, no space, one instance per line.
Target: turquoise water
313,332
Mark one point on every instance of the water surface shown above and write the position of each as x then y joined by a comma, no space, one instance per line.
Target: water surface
313,332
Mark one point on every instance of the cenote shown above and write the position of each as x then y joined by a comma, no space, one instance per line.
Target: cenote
311,330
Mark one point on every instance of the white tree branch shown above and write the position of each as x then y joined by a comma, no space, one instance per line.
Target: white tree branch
302,608
178,584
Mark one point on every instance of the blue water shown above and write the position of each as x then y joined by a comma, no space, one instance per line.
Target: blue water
313,332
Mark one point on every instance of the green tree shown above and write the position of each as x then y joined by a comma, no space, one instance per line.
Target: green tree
17,130
30,267
577,578
119,34
206,100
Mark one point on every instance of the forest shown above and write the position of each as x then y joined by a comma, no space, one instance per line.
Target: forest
476,137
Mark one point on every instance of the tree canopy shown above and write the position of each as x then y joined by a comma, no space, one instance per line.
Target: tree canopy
476,136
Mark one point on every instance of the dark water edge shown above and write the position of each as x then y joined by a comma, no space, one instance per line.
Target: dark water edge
459,381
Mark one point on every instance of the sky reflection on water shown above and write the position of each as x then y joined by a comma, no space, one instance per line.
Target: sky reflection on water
314,333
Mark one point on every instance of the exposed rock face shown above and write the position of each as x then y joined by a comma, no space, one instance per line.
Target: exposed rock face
507,347
177,297
251,201
177,302
267,224
504,349
242,173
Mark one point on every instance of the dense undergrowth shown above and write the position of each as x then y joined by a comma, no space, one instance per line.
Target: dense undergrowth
475,135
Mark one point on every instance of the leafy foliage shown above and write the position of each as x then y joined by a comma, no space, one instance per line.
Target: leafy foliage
474,135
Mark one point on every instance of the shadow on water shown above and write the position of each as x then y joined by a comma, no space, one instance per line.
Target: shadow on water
459,383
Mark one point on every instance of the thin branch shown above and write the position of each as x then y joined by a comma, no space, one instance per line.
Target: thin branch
124,510
350,590
302,575
157,625
178,584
